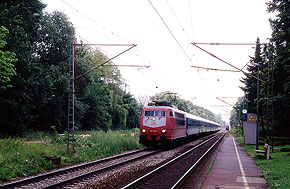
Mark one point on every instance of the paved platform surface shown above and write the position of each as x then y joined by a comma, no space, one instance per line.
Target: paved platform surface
233,169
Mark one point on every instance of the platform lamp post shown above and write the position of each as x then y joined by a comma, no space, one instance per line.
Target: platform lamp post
247,106
245,110
238,110
258,98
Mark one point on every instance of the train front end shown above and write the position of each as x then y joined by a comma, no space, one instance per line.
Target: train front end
155,126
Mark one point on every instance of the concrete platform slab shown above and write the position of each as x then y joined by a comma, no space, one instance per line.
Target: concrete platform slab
234,169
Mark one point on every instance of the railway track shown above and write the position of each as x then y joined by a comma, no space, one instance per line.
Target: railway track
175,172
80,175
67,175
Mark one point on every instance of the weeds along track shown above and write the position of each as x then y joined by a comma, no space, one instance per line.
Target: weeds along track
71,174
174,173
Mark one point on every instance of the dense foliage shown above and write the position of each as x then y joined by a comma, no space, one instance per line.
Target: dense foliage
6,59
187,106
276,53
34,89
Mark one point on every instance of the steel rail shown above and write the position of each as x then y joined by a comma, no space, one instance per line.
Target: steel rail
97,171
190,170
83,165
162,167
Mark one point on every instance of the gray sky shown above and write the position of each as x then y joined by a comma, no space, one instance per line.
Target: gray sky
171,58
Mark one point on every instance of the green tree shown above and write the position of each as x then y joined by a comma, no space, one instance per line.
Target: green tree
101,101
133,109
22,19
93,96
38,99
52,56
281,40
257,67
251,82
236,113
6,58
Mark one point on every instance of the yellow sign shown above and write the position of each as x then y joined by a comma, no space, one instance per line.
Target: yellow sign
251,118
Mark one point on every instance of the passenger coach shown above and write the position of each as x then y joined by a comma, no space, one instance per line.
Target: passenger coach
162,124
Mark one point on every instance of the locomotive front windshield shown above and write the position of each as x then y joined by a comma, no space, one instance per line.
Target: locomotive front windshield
154,113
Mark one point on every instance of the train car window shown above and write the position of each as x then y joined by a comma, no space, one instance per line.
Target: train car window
159,113
149,113
179,119
170,114
190,122
179,115
154,113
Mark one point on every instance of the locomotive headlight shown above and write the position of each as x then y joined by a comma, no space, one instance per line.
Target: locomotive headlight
143,130
163,131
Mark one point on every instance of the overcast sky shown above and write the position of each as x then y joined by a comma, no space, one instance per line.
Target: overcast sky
166,46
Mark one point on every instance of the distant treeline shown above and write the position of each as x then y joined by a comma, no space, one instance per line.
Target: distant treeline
35,49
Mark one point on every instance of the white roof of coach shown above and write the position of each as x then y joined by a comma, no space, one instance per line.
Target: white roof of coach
199,118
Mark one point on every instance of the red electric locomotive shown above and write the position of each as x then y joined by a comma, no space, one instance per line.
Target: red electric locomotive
162,124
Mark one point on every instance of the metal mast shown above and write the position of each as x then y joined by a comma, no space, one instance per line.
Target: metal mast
270,90
71,98
72,86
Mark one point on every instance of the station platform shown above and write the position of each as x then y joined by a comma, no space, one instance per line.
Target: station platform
233,169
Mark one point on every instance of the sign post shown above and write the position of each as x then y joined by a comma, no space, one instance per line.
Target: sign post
250,129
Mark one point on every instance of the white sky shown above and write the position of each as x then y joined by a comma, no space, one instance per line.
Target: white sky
136,22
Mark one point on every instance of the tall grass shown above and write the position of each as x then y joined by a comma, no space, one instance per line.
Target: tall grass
101,144
18,158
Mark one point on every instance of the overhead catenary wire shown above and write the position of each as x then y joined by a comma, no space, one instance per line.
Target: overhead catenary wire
105,62
157,84
224,43
229,97
95,22
94,32
215,69
103,51
169,31
189,7
224,102
172,34
178,20
128,65
245,65
228,63
103,44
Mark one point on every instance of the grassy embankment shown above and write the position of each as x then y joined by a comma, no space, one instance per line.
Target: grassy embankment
21,158
276,170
